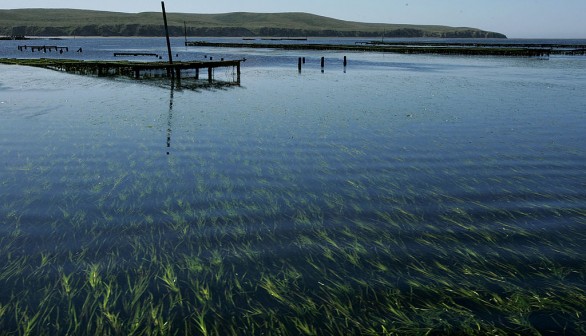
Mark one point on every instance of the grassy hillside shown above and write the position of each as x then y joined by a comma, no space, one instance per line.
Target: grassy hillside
65,22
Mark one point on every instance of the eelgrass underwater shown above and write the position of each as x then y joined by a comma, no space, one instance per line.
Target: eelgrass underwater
438,196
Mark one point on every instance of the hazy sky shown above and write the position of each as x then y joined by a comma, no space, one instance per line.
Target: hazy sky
515,18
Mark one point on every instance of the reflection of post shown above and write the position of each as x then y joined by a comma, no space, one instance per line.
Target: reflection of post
170,119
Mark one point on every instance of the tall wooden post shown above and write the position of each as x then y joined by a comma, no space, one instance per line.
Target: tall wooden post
185,30
167,34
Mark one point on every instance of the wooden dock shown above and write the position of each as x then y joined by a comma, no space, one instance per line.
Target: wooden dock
136,70
136,54
284,39
43,48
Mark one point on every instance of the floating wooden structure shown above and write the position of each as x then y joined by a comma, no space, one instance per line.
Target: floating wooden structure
527,50
136,70
43,48
284,38
118,54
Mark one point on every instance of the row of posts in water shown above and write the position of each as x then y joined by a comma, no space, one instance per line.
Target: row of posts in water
45,48
301,61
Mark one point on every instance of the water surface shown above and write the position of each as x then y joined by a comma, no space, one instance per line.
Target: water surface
403,194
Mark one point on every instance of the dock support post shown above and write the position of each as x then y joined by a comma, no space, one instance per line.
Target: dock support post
196,73
299,64
210,75
345,61
238,73
323,61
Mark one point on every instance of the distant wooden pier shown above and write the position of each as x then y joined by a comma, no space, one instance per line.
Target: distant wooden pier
527,50
276,38
136,70
43,48
118,54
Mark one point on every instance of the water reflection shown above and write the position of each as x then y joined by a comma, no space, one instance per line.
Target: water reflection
176,85
170,117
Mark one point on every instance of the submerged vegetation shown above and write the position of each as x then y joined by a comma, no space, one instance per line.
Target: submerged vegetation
270,219
231,257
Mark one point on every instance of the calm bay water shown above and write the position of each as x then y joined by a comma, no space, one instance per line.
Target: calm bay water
404,194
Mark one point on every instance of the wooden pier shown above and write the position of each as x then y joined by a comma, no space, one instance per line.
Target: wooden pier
43,48
136,70
136,54
284,39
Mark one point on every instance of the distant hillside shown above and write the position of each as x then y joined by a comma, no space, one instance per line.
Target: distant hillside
72,22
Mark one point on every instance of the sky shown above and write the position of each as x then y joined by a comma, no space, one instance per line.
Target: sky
514,18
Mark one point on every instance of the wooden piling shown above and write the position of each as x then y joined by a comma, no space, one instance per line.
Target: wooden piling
185,30
238,73
345,61
323,61
299,64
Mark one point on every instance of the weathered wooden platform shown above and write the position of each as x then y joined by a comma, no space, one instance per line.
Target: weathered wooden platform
412,48
43,48
137,70
136,54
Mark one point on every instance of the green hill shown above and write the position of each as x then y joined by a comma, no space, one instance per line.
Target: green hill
70,22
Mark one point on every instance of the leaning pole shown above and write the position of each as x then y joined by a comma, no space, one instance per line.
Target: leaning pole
167,33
